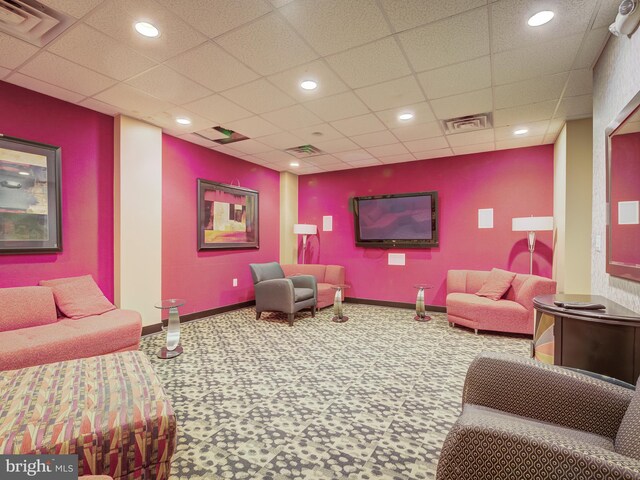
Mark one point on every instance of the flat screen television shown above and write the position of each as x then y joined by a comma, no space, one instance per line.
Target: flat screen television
408,220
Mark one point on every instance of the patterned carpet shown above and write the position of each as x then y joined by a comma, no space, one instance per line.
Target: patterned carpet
370,398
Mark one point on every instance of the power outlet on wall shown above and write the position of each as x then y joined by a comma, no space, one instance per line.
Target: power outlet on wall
235,282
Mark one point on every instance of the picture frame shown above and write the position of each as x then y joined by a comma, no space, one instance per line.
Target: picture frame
30,186
227,216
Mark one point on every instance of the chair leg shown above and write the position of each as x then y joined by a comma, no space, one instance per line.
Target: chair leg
290,317
451,324
475,330
258,315
313,311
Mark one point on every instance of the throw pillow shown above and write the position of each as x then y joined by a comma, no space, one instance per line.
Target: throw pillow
23,307
79,297
496,284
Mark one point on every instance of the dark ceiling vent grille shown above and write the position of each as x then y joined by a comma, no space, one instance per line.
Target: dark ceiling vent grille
304,151
468,123
32,21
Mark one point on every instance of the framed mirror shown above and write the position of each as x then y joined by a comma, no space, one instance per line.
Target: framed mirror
623,193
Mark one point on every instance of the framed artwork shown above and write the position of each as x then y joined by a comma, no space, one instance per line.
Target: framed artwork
30,218
227,216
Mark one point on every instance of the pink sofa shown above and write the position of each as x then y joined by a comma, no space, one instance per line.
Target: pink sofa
512,313
31,333
326,275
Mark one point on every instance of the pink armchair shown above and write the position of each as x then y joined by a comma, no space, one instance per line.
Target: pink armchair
512,313
326,275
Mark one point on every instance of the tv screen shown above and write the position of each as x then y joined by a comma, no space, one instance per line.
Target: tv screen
400,220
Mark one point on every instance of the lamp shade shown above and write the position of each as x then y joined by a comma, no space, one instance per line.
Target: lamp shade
531,224
305,229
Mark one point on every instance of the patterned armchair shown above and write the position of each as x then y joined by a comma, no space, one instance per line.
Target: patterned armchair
524,419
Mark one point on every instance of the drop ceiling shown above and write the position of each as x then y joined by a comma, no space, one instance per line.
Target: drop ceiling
239,63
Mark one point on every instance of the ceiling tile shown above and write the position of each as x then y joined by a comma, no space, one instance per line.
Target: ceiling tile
482,147
401,158
275,156
580,83
328,82
101,53
555,126
65,74
417,132
99,106
532,90
218,108
525,113
280,3
253,127
395,93
459,78
471,138
166,84
375,139
592,47
316,133
426,144
75,8
256,160
320,160
167,120
456,39
372,63
337,107
518,143
4,72
535,130
550,138
337,145
226,150
197,139
249,147
335,167
353,156
405,14
282,141
359,125
471,103
331,26
607,13
292,117
215,17
365,163
259,97
421,114
387,150
269,45
132,101
116,18
309,169
575,107
14,52
509,21
443,152
42,87
535,60
212,67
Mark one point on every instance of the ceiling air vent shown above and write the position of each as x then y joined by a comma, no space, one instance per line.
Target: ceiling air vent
32,21
304,151
467,124
221,135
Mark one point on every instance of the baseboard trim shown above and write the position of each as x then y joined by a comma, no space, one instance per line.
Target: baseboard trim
189,317
386,303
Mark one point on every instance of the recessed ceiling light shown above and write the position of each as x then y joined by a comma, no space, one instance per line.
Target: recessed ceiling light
183,121
309,85
294,164
146,29
26,174
540,18
405,116
521,131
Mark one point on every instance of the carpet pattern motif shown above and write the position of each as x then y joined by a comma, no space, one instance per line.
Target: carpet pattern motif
371,398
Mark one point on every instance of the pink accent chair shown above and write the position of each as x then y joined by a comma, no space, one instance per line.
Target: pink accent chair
326,275
512,313
31,333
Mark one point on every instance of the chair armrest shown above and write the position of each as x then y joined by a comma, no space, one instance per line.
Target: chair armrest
533,287
479,448
305,281
547,393
275,295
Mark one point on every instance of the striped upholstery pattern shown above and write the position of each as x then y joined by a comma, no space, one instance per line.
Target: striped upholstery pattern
110,410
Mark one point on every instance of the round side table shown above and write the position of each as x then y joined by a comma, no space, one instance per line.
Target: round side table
338,316
421,313
173,347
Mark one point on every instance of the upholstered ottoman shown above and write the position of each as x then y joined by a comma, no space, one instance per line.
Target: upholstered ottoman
110,410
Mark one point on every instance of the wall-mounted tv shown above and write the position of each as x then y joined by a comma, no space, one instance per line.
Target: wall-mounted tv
408,220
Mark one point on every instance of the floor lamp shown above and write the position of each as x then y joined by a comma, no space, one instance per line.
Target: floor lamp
304,230
531,225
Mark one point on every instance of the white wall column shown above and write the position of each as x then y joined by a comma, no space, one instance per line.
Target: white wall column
138,217
288,217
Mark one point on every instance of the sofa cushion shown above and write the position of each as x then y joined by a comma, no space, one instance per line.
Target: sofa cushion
303,294
79,297
482,309
628,438
317,271
496,284
68,339
23,307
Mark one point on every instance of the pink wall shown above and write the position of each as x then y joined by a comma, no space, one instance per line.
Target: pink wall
204,279
86,138
515,183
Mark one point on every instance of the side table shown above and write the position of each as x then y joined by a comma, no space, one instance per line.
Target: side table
421,312
338,316
173,347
